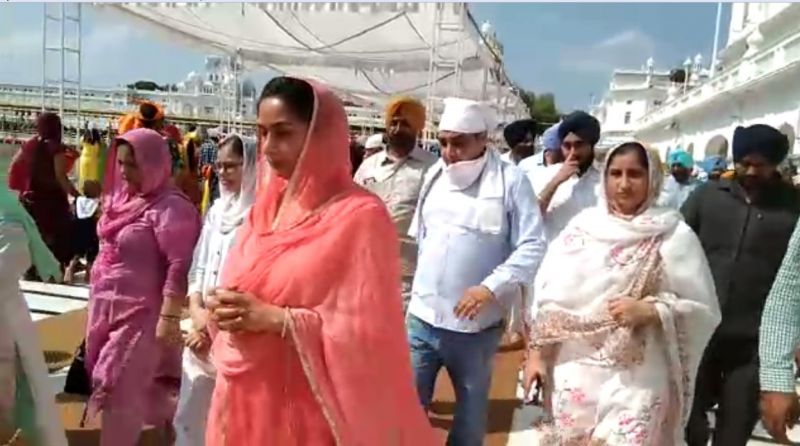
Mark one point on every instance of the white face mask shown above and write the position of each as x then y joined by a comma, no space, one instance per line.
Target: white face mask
462,174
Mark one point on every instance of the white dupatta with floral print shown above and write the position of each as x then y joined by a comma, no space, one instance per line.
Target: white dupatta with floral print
612,385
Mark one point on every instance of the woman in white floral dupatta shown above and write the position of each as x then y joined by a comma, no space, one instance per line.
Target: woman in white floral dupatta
625,305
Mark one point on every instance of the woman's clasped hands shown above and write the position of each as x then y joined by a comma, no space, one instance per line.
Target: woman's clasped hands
235,311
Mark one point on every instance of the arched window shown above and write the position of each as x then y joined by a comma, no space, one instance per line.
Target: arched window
787,130
717,146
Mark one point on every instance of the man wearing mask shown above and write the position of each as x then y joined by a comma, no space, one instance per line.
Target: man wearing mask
519,136
744,224
565,189
480,238
395,174
680,182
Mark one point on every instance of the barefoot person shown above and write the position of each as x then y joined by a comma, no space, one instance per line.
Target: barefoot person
395,175
480,236
310,297
625,305
27,401
38,173
236,171
147,234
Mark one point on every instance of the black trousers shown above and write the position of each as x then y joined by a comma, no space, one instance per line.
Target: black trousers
728,377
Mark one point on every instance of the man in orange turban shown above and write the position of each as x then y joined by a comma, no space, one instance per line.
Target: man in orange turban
395,175
405,110
149,115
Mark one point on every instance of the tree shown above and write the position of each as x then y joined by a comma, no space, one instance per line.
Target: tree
542,108
146,86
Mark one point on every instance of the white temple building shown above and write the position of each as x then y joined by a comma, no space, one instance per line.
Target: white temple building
756,80
216,94
631,95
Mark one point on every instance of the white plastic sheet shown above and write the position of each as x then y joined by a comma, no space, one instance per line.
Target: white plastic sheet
367,51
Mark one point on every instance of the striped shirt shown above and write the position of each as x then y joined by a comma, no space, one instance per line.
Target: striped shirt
780,324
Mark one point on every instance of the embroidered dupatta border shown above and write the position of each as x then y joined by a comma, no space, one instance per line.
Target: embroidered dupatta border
306,364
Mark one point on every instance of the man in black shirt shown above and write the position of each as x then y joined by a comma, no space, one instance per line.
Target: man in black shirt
744,225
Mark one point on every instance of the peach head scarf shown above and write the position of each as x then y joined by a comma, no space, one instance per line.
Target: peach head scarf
327,251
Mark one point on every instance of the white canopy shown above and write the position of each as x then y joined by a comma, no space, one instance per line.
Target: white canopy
368,52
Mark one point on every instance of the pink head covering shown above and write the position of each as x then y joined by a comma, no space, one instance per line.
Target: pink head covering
152,156
312,224
321,172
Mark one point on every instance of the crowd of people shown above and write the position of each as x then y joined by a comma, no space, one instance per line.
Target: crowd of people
296,288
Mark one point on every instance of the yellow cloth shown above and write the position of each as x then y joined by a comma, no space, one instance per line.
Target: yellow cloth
409,108
206,200
89,163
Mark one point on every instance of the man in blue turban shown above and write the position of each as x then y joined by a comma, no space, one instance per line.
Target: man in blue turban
550,154
552,146
567,188
714,166
680,183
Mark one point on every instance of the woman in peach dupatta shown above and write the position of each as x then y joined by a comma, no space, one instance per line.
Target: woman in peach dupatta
312,347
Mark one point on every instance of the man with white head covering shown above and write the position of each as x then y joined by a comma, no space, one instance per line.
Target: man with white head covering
395,175
373,145
480,238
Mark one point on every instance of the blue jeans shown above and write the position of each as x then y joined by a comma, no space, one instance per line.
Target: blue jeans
468,360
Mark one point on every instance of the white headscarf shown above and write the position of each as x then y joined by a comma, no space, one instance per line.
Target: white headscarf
655,176
235,204
601,255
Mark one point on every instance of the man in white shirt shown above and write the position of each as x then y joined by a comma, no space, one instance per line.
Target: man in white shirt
681,183
395,175
480,238
550,154
565,189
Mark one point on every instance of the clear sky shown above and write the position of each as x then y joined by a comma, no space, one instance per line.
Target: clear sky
569,49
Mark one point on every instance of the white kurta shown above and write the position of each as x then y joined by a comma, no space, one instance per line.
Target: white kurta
197,383
571,197
18,335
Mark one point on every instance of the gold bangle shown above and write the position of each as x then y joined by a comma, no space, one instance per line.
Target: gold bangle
170,317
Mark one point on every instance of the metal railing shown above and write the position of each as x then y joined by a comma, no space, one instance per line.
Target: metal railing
777,57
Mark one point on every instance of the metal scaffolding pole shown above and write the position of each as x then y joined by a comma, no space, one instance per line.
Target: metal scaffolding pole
44,53
459,27
433,67
68,25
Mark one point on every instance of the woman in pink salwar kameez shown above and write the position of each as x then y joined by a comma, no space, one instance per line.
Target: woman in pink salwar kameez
139,280
312,348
